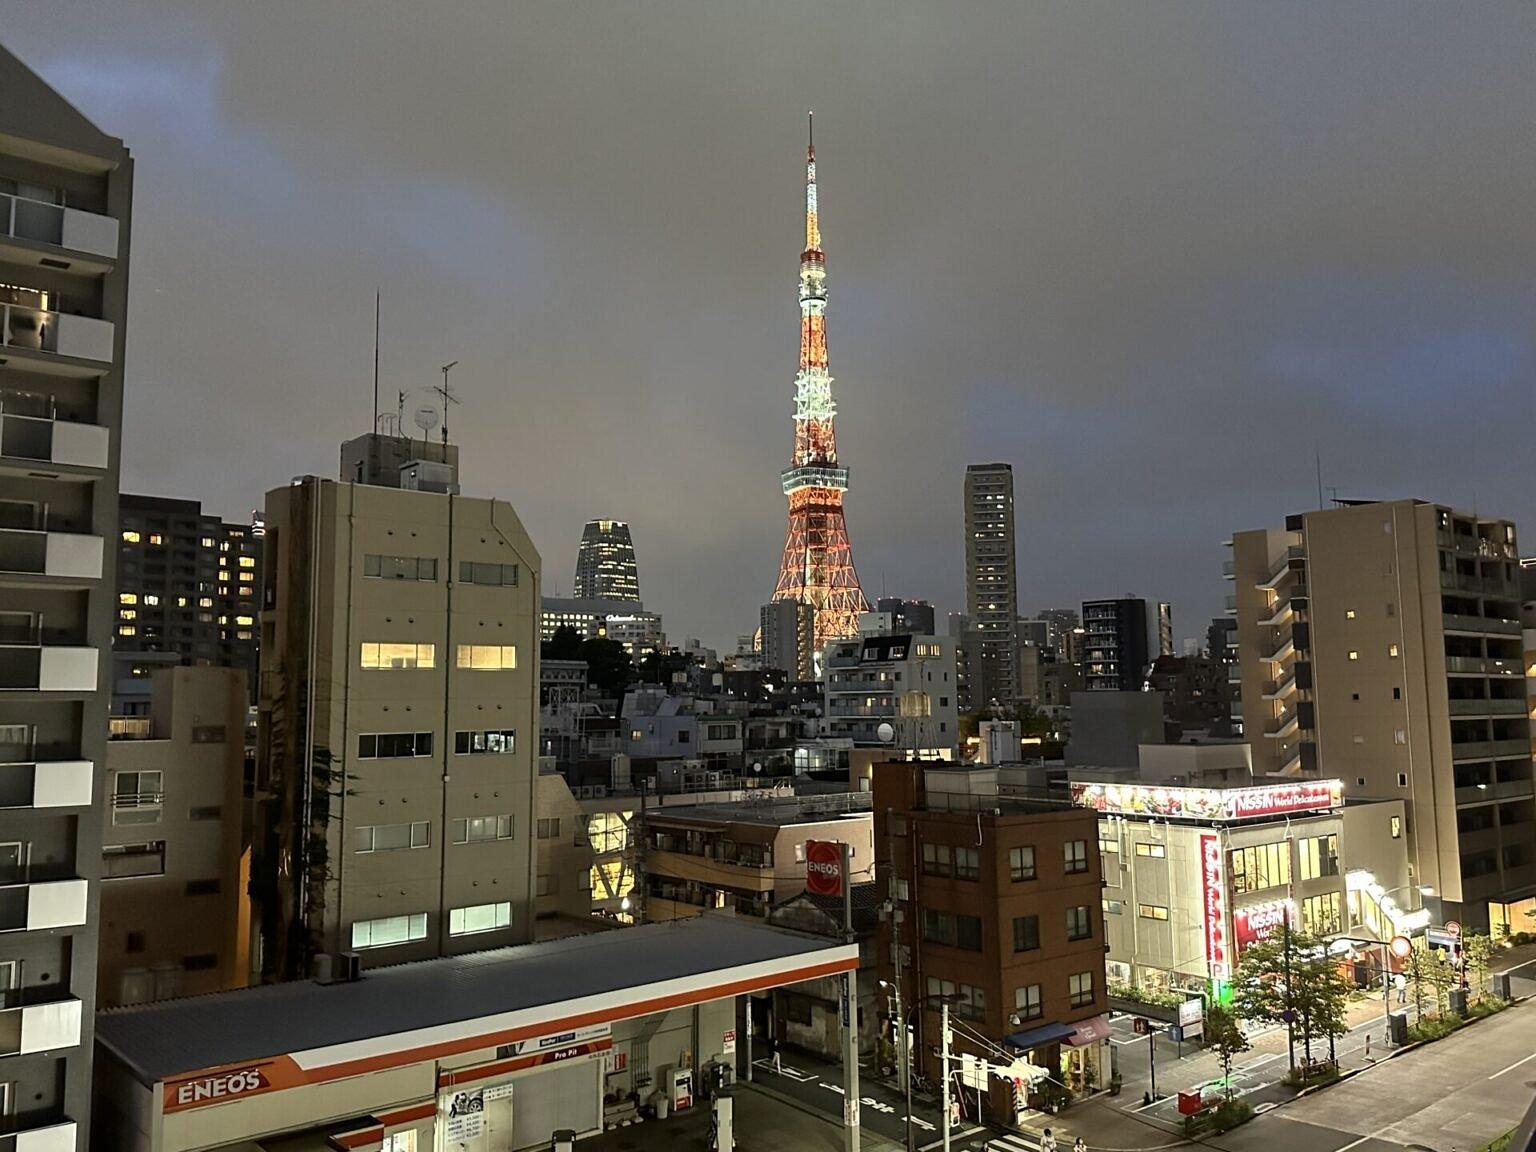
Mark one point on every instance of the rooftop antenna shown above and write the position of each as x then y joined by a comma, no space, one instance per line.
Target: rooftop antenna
400,412
375,359
448,397
1319,454
426,420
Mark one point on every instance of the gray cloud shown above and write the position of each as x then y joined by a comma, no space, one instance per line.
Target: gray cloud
1156,255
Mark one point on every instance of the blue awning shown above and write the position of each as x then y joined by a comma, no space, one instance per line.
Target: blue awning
1038,1037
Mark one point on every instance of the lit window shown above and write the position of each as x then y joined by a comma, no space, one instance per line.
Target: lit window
246,620
205,602
127,630
1354,655
130,537
1349,613
389,930
207,541
398,656
151,601
127,598
127,614
156,538
1396,824
1152,911
479,918
181,601
488,657
1392,651
247,561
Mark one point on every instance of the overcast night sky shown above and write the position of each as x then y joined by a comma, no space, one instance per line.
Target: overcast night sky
1155,255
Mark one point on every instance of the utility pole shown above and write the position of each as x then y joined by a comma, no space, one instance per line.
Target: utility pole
944,1070
1152,1056
1290,991
903,1040
850,1015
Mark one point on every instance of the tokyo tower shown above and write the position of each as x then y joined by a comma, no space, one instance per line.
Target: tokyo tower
817,568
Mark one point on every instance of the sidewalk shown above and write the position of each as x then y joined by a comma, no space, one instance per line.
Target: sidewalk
764,1122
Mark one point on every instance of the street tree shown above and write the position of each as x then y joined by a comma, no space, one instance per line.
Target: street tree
1290,979
1477,952
1224,1036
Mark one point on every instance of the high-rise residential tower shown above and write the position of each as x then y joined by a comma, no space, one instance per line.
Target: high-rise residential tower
398,716
817,564
1116,644
991,584
186,595
605,563
65,200
1380,643
787,630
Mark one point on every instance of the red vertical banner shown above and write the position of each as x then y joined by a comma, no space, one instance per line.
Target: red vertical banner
824,867
1213,887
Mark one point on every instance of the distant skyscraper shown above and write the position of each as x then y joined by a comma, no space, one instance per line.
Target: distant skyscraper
908,615
817,564
65,193
605,563
186,590
1116,653
991,583
1164,628
788,629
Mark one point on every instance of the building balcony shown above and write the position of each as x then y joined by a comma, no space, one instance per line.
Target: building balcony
60,343
1280,689
1284,728
58,1136
1491,749
1481,666
31,431
45,904
1478,546
46,784
62,555
40,1027
1229,569
1229,604
1480,625
43,667
30,228
1282,653
715,873
1467,708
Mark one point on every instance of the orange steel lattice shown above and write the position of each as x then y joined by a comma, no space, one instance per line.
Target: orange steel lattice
817,565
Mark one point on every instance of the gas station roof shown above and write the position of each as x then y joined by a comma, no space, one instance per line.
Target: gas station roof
401,1014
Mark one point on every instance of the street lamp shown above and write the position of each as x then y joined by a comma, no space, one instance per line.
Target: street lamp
903,1052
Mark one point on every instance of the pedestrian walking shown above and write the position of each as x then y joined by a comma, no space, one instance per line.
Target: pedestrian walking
1079,1145
778,1062
1400,982
1047,1142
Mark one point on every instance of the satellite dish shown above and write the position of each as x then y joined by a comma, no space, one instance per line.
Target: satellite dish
886,732
426,419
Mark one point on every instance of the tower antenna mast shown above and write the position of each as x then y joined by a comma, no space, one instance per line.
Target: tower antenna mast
448,397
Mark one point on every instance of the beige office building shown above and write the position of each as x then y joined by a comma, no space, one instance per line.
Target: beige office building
174,916
1380,643
396,778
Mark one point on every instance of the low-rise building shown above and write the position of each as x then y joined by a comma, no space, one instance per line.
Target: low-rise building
809,1015
1192,876
563,861
659,725
747,856
893,690
998,910
174,916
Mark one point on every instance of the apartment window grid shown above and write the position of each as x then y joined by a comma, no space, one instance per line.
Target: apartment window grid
490,742
1260,866
389,930
1021,863
1074,856
487,657
422,568
1028,1002
393,745
481,829
1026,933
938,860
1079,923
1323,914
1080,989
1319,856
394,656
392,837
967,864
479,918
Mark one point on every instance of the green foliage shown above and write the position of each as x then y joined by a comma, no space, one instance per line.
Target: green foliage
565,644
1478,952
1223,1036
1498,1143
609,668
658,667
1222,1118
1292,974
1318,1073
1433,975
1161,997
1432,1028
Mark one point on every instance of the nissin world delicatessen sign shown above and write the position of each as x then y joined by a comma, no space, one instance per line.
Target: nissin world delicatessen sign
1210,803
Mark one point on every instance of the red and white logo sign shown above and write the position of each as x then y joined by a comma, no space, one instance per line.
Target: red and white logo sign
824,867
239,1082
1401,947
1453,927
1213,890
1259,922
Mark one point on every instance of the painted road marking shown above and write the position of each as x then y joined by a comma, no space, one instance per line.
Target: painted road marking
1513,1066
1354,1143
1011,1143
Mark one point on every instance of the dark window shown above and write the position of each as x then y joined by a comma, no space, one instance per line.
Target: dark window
400,567
1021,863
211,812
1079,923
967,863
491,742
937,860
496,575
1075,856
135,942
200,962
968,933
389,745
938,928
203,887
1026,933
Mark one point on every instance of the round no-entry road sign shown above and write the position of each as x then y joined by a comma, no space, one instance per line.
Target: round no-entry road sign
1401,946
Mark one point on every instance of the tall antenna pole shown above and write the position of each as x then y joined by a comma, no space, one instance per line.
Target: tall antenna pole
1319,454
448,398
375,359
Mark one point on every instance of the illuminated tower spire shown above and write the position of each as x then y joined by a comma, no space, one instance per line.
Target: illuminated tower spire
817,565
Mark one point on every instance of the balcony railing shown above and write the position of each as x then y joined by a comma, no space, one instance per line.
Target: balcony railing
56,1136
64,554
45,667
1480,666
46,784
1490,749
40,1027
31,430
137,807
58,333
1480,625
1488,707
45,904
23,218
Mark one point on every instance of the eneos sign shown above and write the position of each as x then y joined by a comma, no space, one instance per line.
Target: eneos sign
824,867
220,1086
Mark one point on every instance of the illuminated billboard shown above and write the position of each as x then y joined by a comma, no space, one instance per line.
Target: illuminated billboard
1210,803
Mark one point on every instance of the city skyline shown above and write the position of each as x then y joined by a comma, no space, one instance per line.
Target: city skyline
1127,246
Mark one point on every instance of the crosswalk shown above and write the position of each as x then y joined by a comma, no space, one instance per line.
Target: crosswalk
1009,1142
